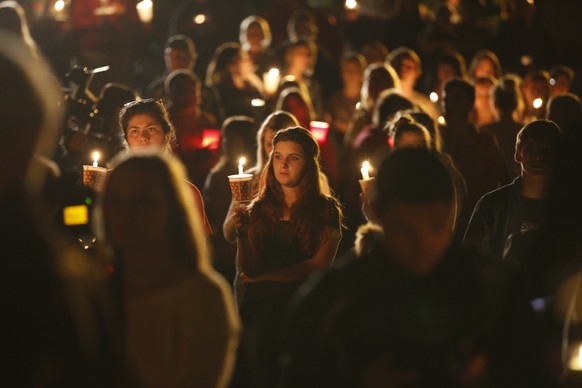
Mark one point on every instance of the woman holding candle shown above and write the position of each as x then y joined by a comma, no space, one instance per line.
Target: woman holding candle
291,230
146,124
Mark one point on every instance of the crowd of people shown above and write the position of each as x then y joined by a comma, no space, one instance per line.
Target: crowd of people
451,257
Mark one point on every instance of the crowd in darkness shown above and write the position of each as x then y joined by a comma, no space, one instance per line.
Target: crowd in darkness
413,215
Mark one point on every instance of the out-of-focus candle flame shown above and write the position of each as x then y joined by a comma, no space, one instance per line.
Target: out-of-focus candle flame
537,103
96,156
365,170
200,18
59,5
434,97
271,80
145,10
351,4
575,362
441,120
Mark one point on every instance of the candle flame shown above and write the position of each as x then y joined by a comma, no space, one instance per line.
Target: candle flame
242,161
96,156
351,4
434,97
273,72
537,103
200,18
59,5
366,165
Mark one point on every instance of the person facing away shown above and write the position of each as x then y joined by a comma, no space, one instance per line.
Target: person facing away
521,205
290,230
58,326
181,328
416,309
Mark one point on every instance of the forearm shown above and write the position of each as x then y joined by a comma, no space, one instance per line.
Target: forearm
228,228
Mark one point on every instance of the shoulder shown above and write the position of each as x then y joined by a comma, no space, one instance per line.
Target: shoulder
502,194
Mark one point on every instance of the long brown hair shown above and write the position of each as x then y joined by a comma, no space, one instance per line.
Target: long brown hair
310,215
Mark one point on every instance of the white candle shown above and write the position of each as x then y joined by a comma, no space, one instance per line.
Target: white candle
271,80
241,163
364,170
96,156
145,11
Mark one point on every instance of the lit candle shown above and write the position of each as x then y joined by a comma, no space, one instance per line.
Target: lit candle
96,156
364,170
145,11
537,103
59,6
434,97
575,362
271,80
319,129
241,163
351,4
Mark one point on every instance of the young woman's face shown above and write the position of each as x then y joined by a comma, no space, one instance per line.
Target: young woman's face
255,35
289,163
483,97
352,73
143,130
484,68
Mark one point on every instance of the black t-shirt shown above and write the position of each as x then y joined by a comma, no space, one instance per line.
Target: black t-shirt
501,213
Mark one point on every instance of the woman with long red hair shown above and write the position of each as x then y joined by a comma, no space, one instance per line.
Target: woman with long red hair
290,230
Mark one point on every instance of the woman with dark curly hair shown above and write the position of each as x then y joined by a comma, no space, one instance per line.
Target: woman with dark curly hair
146,124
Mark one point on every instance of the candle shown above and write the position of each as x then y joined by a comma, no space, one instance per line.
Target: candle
241,163
96,156
364,170
271,81
319,129
59,5
145,11
575,362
